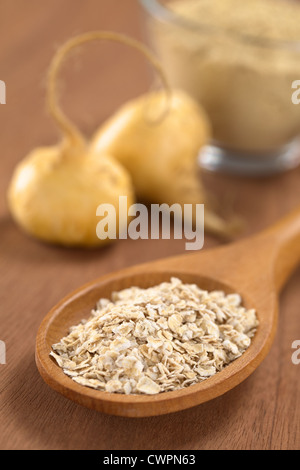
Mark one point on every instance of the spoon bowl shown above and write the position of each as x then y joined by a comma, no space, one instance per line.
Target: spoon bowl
256,268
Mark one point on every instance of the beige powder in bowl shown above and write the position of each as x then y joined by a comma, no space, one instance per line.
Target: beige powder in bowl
239,59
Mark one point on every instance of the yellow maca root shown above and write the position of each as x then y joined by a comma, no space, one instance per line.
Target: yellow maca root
54,194
55,191
157,139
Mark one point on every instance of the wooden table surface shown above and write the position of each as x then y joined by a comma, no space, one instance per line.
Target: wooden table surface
261,413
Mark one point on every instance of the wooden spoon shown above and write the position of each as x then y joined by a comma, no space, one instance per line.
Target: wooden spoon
256,268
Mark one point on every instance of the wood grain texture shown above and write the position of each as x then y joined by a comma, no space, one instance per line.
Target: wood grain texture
261,413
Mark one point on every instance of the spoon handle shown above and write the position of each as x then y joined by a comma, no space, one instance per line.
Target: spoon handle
285,237
253,262
257,264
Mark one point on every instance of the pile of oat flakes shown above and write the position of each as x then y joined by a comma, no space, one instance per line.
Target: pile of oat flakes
163,338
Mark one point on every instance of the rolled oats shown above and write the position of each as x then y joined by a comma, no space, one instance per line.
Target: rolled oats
163,338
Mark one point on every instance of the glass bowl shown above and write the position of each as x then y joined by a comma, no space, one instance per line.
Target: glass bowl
246,84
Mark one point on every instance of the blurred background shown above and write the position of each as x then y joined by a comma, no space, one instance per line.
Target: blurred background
263,411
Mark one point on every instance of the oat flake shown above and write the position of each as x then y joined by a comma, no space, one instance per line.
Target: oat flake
159,339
